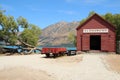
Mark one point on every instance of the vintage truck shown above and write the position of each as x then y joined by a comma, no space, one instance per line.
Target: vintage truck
55,52
58,51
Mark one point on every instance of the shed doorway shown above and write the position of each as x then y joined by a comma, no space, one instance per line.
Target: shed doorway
95,42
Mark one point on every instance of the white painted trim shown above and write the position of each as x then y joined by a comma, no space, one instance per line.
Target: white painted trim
105,30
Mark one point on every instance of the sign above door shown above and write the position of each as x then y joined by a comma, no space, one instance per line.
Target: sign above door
105,30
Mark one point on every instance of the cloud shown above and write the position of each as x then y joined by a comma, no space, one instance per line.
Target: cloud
7,7
102,3
32,8
113,4
67,12
116,6
69,0
86,1
94,1
35,9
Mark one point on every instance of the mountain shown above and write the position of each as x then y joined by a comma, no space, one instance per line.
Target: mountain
57,34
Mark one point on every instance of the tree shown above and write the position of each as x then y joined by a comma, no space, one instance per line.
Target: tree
2,22
82,21
10,31
91,13
22,22
117,24
72,38
10,28
109,17
31,35
115,20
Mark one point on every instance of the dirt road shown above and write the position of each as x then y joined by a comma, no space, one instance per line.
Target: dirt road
79,67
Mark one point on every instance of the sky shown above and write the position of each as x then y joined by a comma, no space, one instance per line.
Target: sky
46,12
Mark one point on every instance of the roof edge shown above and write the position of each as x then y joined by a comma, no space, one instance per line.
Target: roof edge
95,14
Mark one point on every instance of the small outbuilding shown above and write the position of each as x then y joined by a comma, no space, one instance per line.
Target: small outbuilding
96,34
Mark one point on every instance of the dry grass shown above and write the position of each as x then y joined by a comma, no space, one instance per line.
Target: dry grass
113,62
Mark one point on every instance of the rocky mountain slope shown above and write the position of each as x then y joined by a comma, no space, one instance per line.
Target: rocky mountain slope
57,34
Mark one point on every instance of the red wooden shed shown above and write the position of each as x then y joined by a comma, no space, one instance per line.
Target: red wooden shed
96,34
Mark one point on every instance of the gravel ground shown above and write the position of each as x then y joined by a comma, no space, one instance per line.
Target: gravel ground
113,62
79,67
